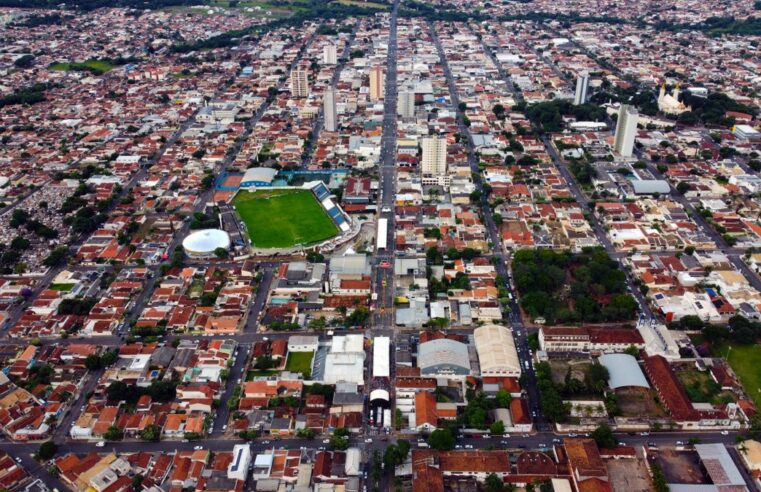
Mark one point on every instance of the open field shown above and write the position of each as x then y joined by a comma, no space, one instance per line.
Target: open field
283,218
300,362
745,361
368,5
97,67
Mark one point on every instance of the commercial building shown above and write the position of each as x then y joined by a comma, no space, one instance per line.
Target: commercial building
405,105
238,467
346,360
299,83
329,54
497,355
377,83
434,161
747,132
329,110
626,130
582,85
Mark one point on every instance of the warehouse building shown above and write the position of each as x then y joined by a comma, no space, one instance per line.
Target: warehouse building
443,357
497,354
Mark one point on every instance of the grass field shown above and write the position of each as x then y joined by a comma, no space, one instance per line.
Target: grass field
250,375
97,67
300,362
62,287
283,218
745,360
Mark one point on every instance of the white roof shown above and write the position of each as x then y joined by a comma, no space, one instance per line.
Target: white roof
206,241
353,460
381,348
496,350
623,371
264,174
443,352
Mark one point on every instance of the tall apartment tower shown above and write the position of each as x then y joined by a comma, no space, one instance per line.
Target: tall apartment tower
329,54
299,83
377,85
626,130
582,86
405,105
434,163
329,110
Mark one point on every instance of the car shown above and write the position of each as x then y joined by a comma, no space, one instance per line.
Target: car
326,441
198,448
240,380
724,433
556,440
644,433
652,445
100,444
368,440
265,442
18,460
185,440
621,443
572,434
468,446
487,436
542,446
224,427
680,443
458,446
507,436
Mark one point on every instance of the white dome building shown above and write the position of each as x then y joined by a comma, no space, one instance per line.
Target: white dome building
202,243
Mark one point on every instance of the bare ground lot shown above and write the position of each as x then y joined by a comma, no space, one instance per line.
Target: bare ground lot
628,475
681,466
560,368
638,402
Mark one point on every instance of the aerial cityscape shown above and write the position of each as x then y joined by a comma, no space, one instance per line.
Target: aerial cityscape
384,245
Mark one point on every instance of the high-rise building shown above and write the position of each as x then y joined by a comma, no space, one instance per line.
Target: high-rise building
299,83
405,105
582,85
626,130
376,83
434,162
329,54
329,110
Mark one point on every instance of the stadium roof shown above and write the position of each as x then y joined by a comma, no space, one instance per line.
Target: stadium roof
206,241
261,174
496,351
443,354
623,371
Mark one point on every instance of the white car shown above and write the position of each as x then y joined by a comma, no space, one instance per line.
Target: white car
724,433
100,444
198,448
326,441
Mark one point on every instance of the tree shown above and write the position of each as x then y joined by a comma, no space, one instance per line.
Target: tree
113,434
47,450
498,427
494,483
503,399
604,437
441,439
683,187
306,433
150,433
338,443
220,252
